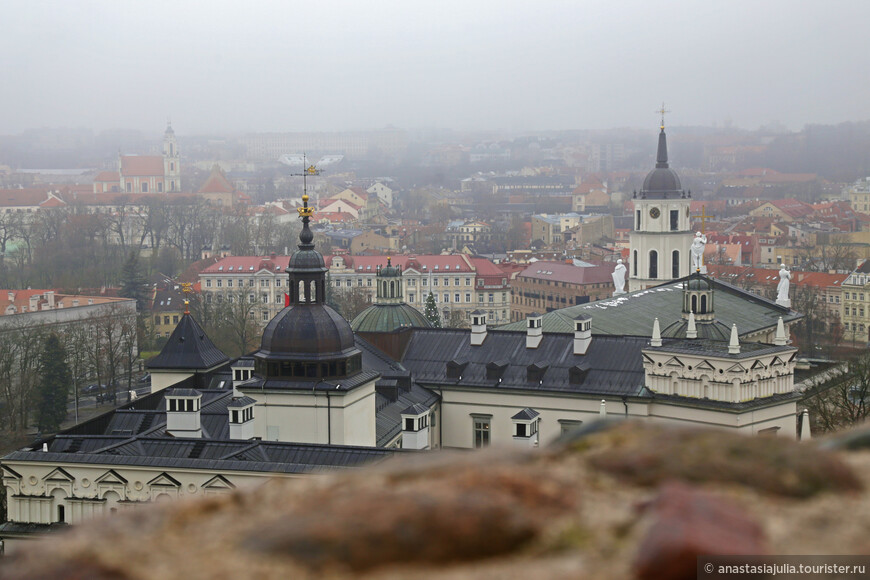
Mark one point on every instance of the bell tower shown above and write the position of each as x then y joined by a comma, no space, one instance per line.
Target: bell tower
661,237
171,161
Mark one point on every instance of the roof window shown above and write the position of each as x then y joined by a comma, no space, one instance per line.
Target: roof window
220,268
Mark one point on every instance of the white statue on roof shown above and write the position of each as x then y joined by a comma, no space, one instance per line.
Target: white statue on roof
619,278
782,288
697,251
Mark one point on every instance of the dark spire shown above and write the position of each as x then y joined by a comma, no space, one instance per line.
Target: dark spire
306,237
662,155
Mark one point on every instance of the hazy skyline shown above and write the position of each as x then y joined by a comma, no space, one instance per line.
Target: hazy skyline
327,66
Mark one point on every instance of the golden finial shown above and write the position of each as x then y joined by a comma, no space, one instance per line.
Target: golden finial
311,170
662,111
186,288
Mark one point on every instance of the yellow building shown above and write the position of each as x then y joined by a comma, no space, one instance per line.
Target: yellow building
855,313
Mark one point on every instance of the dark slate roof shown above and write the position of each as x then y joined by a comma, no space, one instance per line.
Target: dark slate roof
416,409
633,313
175,392
717,348
188,348
526,415
387,318
758,403
241,402
388,419
336,384
612,364
135,434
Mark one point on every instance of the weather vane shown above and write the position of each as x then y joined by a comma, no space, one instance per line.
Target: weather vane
662,112
305,211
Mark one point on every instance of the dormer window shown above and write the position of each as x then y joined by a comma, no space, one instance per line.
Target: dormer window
496,369
455,368
535,372
577,373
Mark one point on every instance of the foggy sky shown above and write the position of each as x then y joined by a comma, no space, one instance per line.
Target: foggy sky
222,66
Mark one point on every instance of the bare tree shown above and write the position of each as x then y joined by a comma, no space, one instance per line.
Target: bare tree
841,399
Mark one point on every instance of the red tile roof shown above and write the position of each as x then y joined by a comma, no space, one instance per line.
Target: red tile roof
562,272
108,176
248,265
142,165
30,197
217,182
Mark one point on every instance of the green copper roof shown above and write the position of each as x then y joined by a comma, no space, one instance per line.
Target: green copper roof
387,318
633,314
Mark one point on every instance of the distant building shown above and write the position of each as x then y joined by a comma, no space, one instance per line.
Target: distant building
145,173
547,286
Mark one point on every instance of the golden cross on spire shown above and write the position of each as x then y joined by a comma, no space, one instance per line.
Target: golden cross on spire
662,112
703,217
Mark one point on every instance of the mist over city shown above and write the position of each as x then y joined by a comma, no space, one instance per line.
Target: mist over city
434,290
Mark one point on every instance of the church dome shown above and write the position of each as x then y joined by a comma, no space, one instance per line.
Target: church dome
389,271
307,339
307,331
388,317
662,179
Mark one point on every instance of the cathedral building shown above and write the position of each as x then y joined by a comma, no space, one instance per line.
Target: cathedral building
322,393
145,173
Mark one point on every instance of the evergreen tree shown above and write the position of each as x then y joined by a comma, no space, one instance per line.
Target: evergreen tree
431,311
54,383
133,281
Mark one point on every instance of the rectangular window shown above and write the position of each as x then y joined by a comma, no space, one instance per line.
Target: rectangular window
481,432
220,283
456,297
675,219
491,297
410,297
637,221
229,282
156,320
250,283
175,318
434,282
278,283
208,283
265,298
165,320
446,297
456,281
265,316
251,298
468,281
468,296
480,297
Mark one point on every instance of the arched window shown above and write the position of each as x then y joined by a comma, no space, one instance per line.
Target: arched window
703,304
313,297
61,514
694,304
653,264
675,264
634,269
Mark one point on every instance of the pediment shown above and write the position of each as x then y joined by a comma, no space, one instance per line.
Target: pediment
705,366
9,472
674,362
59,474
218,482
164,480
777,362
737,368
757,365
646,358
111,477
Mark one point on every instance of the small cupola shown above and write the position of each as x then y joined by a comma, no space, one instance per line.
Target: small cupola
582,333
241,410
183,413
243,370
415,427
478,327
698,298
534,330
525,425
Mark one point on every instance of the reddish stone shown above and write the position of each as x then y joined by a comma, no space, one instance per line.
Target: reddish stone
687,523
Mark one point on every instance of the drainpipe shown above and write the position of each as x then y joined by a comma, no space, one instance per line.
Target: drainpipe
625,402
328,419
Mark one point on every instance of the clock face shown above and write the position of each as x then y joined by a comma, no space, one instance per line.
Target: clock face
654,213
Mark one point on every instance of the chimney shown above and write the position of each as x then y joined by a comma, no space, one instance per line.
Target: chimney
534,330
11,296
241,411
183,413
49,295
602,409
656,335
415,427
34,303
734,343
243,370
582,333
478,327
691,329
780,339
805,426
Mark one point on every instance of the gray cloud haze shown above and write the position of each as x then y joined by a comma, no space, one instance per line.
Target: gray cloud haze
288,66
